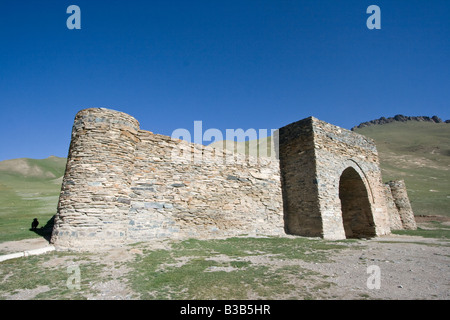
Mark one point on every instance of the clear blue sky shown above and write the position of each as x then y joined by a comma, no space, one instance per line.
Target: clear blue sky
232,64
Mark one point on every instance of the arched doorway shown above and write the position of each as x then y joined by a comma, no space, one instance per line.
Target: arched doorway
355,206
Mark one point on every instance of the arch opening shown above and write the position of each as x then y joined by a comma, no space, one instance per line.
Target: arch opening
355,206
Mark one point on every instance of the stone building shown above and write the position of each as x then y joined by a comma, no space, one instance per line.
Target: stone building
123,184
331,182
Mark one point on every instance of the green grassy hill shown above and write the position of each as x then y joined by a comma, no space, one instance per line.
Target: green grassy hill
419,153
29,188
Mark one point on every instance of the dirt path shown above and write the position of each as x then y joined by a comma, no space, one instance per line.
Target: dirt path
409,268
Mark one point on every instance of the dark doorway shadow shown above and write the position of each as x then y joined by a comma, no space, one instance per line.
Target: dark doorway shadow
46,230
355,206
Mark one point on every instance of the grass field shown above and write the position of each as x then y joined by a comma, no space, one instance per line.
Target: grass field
29,188
47,275
229,269
419,153
234,268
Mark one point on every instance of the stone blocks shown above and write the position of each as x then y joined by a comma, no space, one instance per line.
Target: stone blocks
123,184
331,182
402,214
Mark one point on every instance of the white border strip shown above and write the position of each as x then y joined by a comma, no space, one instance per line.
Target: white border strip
26,253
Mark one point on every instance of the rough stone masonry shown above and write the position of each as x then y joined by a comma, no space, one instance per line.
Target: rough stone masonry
123,184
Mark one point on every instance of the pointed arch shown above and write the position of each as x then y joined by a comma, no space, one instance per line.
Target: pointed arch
356,210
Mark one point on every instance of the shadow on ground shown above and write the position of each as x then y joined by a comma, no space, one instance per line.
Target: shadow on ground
46,230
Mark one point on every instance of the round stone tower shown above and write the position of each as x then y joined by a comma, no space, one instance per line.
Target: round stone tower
94,201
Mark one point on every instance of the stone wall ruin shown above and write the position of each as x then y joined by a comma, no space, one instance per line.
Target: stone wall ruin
123,184
402,214
331,181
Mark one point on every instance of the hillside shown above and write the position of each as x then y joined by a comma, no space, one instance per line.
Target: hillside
419,153
262,146
29,188
400,118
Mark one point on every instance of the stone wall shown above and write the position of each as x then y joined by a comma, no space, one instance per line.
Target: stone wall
202,192
124,184
331,181
394,216
402,204
299,185
95,194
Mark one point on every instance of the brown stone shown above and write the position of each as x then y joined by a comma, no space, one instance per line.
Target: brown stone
331,182
123,184
401,201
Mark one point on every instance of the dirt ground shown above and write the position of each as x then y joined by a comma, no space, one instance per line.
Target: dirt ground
409,267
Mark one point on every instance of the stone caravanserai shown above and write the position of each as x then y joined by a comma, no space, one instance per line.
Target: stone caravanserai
123,185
